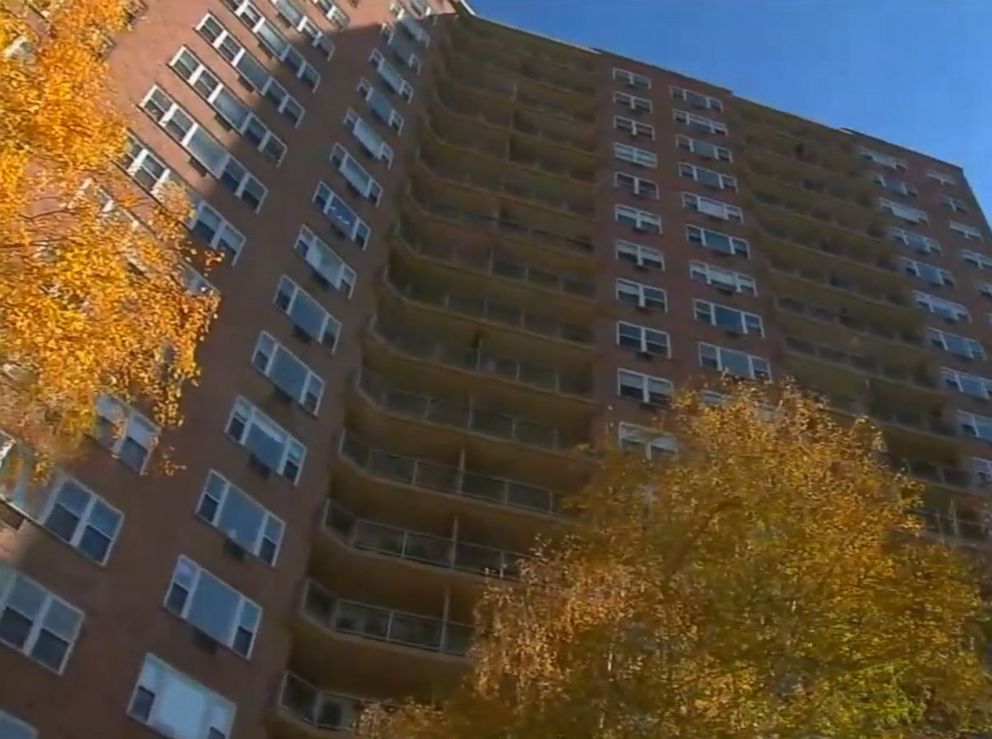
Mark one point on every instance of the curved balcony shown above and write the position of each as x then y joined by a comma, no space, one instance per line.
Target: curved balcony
765,172
919,434
877,264
318,710
961,529
501,38
966,480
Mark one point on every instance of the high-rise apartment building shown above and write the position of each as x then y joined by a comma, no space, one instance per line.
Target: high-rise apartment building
455,253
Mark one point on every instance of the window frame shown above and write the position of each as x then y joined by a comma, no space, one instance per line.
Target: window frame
718,358
252,414
966,419
688,143
635,103
288,55
129,415
926,245
636,185
727,182
711,207
737,246
633,128
307,242
298,293
706,311
368,91
8,720
954,379
360,232
638,251
368,141
977,259
741,280
938,338
903,212
968,232
686,95
942,177
646,439
269,348
918,269
643,349
699,122
647,396
928,302
885,160
635,155
636,218
957,205
220,497
83,518
643,299
632,79
393,79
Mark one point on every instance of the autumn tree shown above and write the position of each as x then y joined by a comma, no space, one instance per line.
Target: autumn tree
768,580
94,287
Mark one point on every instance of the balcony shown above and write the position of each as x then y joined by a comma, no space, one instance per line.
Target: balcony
959,479
852,196
814,214
959,529
875,261
315,710
909,433
499,39
784,164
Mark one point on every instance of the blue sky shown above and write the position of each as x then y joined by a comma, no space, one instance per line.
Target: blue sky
914,72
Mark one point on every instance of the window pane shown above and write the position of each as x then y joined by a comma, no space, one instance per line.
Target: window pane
213,607
240,519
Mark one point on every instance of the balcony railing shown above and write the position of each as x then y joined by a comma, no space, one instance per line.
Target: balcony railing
956,477
864,365
318,708
834,316
449,554
903,418
484,362
449,480
384,624
956,530
460,415
530,48
873,231
885,261
840,282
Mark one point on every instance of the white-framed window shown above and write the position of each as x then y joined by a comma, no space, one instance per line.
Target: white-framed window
971,424
329,269
634,102
962,382
287,372
366,135
698,122
927,272
227,105
408,21
80,517
960,346
307,314
388,74
35,621
946,309
905,212
885,160
640,295
955,204
708,177
636,185
342,218
144,166
126,433
177,706
297,18
719,242
277,44
640,220
704,149
894,184
969,232
631,79
978,260
916,242
642,388
696,99
12,727
942,177
634,128
204,147
635,155
357,176
249,68
380,106
647,342
984,288
240,518
332,11
216,231
644,441
270,444
403,50
730,319
710,207
725,280
643,257
736,363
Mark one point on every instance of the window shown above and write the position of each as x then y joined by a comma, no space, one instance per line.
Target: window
177,706
938,306
393,79
708,177
250,69
641,295
738,364
329,269
633,438
635,103
699,123
338,18
14,728
639,220
126,433
287,373
710,207
928,272
227,105
631,79
35,621
905,212
342,218
277,44
80,518
958,206
296,17
724,280
634,128
216,231
916,242
886,160
380,106
962,382
704,149
969,232
370,140
895,185
409,24
635,155
985,288
718,242
643,257
203,147
358,177
144,166
960,346
730,319
696,99
647,342
643,388
270,444
244,521
970,424
942,177
309,316
636,185
979,260
404,51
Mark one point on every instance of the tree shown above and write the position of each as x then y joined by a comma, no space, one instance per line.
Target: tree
95,293
768,580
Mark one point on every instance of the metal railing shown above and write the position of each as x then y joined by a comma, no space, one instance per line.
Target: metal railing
828,315
450,480
956,530
844,284
904,418
957,477
318,708
865,365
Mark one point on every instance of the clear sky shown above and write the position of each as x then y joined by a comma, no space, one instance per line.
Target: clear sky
914,72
